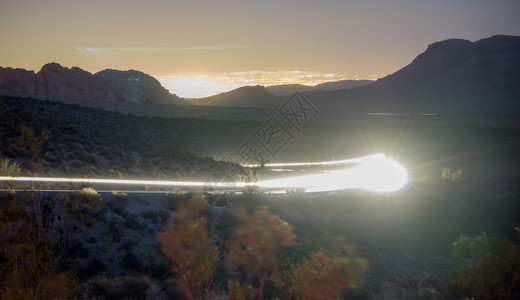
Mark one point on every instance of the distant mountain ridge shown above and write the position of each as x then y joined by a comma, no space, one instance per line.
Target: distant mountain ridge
246,96
271,96
136,86
451,76
56,82
288,89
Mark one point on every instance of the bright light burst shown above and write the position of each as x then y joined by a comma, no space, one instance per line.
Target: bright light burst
375,173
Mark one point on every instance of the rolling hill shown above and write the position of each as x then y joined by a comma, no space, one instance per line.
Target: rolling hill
288,89
246,96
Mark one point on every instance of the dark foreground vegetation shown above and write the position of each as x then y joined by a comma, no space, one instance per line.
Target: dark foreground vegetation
451,234
55,139
452,242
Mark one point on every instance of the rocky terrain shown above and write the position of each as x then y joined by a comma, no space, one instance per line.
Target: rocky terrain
78,141
114,251
56,82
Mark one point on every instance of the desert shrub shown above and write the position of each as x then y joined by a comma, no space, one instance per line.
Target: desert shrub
188,243
321,267
38,241
407,286
84,172
92,268
252,259
155,216
253,251
324,277
136,162
116,206
159,270
225,222
121,287
127,245
470,248
447,174
114,233
91,201
8,168
78,210
133,222
28,142
77,250
132,262
486,269
78,164
331,244
28,239
120,197
91,158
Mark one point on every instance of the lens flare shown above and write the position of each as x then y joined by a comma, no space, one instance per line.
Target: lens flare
379,174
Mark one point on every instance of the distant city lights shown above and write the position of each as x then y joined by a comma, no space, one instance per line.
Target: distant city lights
204,85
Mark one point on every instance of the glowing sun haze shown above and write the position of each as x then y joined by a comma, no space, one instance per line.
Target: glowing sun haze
357,39
203,85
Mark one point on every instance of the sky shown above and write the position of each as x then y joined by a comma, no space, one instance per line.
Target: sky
207,40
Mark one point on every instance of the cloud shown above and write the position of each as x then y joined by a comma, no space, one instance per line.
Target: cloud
171,48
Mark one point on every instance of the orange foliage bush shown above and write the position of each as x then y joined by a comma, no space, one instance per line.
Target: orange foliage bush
252,258
324,277
188,243
253,251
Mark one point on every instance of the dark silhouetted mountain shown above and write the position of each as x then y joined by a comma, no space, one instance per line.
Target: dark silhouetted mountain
60,83
452,76
342,84
135,86
54,82
246,96
289,89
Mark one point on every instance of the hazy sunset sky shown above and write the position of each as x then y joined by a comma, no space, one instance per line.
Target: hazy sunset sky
359,39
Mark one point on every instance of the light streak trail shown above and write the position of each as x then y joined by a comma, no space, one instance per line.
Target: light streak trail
375,173
120,181
322,163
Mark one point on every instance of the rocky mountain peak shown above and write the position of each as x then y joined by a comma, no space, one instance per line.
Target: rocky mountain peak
54,81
